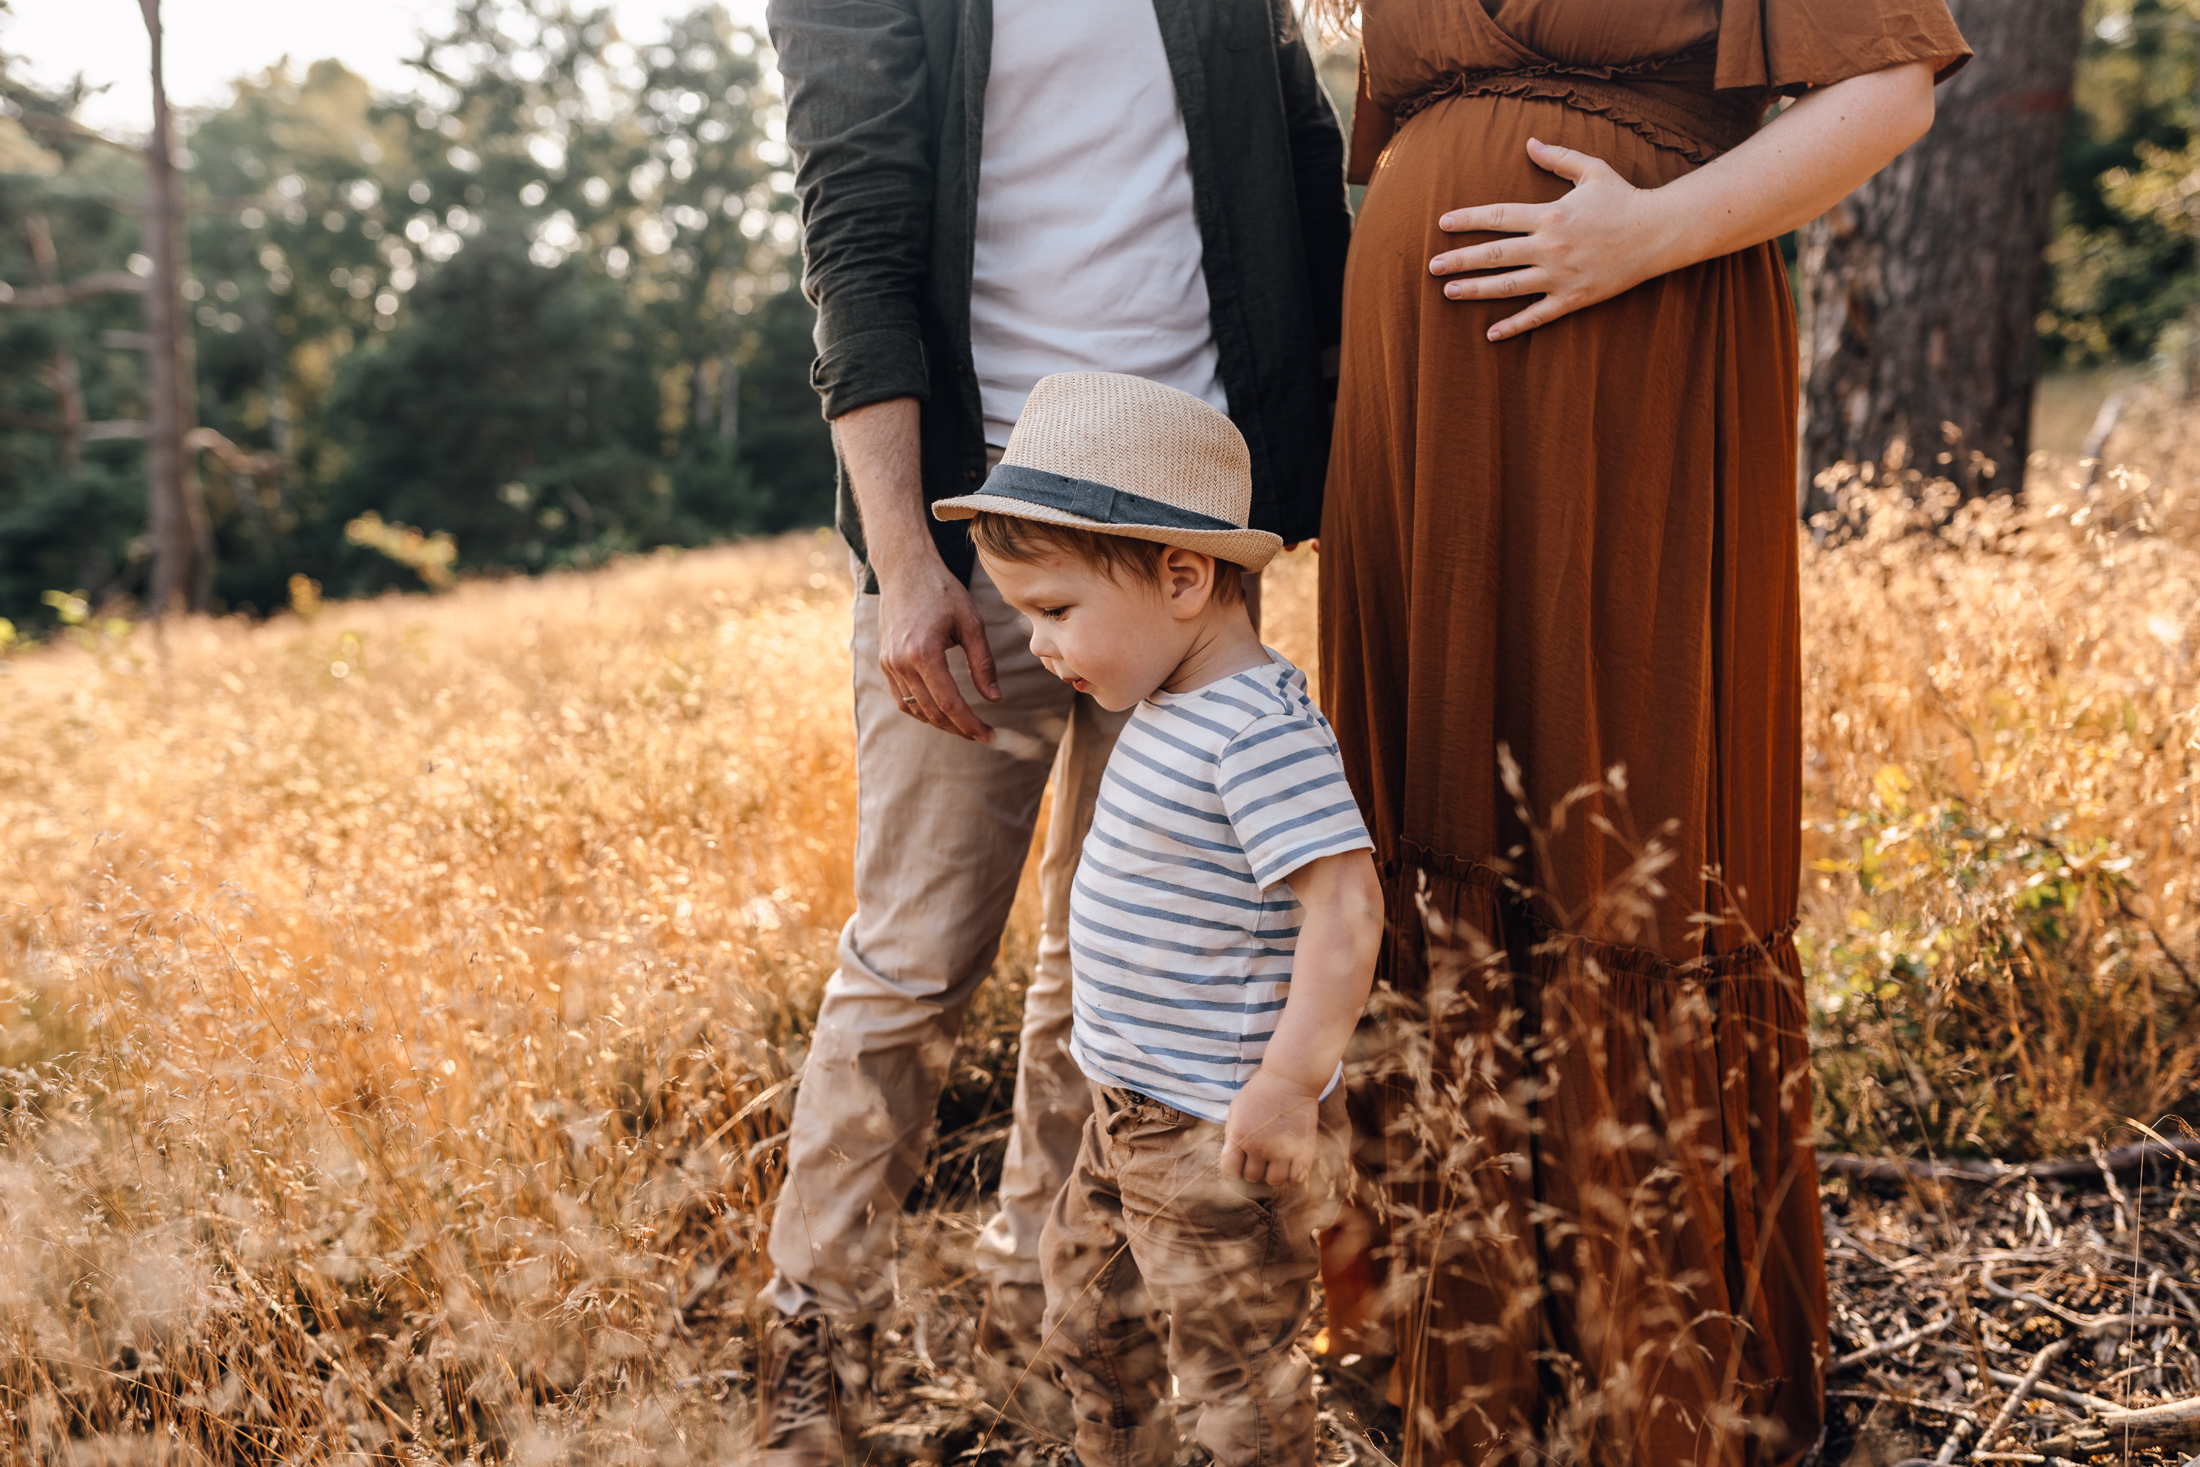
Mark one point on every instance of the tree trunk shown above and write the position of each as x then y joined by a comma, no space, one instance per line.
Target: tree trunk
68,386
698,395
1919,290
729,398
182,545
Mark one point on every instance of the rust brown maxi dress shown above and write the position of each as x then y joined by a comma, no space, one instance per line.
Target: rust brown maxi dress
1579,545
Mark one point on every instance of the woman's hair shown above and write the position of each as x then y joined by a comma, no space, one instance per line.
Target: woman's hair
1117,557
1333,18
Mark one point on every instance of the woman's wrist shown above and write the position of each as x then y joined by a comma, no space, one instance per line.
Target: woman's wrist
1676,232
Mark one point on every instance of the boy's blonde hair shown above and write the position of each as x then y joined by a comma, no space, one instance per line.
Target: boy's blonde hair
1021,541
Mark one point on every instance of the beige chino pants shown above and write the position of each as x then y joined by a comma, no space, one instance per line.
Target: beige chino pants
1159,1266
942,829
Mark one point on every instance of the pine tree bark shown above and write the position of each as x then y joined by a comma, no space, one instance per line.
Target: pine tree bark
183,562
1920,289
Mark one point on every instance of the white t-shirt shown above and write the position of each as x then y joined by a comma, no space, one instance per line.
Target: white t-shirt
1088,253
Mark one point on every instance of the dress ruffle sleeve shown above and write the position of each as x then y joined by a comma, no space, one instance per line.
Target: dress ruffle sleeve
1372,126
1791,45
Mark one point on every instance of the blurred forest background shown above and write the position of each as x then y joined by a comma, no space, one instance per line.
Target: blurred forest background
543,310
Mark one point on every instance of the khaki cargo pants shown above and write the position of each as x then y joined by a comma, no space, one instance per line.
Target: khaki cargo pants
942,829
1156,1265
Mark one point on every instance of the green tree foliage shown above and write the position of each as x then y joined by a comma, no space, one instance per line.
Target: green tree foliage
545,305
2122,258
66,213
530,447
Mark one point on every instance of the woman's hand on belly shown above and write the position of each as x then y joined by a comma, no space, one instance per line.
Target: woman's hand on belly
1601,238
1606,235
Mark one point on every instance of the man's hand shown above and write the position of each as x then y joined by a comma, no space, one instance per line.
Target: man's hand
1270,1135
923,610
922,613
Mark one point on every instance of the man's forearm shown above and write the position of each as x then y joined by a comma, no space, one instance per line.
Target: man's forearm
881,445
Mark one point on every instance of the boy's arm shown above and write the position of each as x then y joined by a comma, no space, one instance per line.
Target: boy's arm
1274,1120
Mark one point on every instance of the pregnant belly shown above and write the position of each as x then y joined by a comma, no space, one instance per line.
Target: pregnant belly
1465,151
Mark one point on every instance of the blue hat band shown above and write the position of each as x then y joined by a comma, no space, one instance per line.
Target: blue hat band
1093,501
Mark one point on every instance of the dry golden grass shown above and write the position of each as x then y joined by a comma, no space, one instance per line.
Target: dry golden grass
396,1005
2002,714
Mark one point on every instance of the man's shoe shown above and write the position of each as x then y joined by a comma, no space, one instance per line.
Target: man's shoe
1007,1353
813,1390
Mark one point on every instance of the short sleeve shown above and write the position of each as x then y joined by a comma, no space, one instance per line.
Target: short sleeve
1282,785
1791,45
1372,127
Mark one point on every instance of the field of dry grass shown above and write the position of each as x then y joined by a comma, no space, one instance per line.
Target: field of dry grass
2002,812
397,1003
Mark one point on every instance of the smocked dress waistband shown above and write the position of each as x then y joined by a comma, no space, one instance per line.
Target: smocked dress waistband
1668,101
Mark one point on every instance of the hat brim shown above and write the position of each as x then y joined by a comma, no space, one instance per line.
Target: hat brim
1247,549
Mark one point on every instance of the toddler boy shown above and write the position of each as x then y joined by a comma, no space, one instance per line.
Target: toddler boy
1223,927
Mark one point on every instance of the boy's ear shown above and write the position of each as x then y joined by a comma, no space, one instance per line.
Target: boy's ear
1187,579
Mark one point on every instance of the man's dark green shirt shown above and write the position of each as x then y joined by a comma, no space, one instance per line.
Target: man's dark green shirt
886,115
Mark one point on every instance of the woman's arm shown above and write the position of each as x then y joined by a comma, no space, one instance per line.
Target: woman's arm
1606,235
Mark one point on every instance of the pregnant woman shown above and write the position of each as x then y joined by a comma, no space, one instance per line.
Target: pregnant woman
1560,534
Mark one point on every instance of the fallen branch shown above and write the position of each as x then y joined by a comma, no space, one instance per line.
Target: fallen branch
1887,1347
1896,1170
2092,1324
2172,1424
1954,1443
2023,1388
2076,1400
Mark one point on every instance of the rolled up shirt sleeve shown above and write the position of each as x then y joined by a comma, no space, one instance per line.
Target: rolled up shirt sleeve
858,123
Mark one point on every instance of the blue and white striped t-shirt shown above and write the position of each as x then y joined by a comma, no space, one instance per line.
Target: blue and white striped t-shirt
1181,926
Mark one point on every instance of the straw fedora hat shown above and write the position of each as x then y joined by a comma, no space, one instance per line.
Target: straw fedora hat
1124,456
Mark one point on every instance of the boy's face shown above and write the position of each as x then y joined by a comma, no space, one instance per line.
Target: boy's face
1117,640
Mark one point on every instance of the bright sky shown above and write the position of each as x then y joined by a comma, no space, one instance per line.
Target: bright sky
212,41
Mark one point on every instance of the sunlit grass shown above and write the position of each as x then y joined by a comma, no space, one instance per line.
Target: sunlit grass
396,1004
395,1001
2000,826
